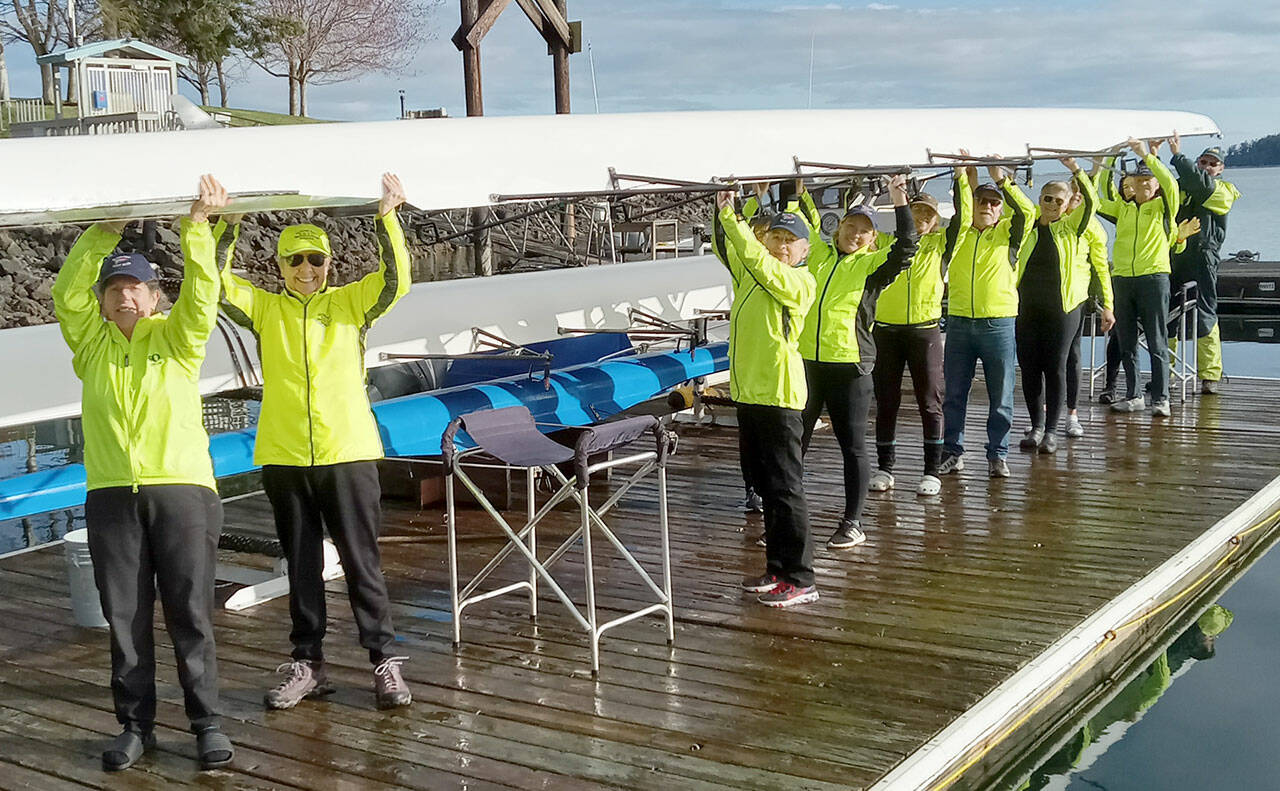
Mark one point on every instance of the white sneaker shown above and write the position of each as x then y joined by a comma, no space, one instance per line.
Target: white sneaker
1161,408
1074,429
881,481
950,464
1129,405
929,486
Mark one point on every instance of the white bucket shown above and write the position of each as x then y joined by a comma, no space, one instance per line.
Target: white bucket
85,605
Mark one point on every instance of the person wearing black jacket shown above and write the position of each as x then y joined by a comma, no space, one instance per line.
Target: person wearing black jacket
1208,197
836,340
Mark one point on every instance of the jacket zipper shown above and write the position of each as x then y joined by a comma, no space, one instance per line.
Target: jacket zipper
306,368
129,417
817,341
973,277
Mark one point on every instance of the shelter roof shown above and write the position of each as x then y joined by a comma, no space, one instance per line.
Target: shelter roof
124,46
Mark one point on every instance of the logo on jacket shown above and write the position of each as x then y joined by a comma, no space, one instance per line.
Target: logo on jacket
324,319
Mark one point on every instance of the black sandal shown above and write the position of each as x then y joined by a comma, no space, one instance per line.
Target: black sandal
214,748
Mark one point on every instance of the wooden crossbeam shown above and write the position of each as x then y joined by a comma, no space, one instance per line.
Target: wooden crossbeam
470,38
548,20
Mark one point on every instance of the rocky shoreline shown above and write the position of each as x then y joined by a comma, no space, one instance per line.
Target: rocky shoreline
30,257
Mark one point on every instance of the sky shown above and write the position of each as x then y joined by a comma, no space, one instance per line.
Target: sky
1218,58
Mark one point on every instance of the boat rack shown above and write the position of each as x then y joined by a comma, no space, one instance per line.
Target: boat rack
652,329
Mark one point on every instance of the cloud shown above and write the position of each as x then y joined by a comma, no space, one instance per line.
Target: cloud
749,54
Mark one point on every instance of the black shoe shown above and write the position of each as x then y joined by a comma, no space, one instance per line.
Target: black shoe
848,534
125,750
1048,444
1107,396
214,748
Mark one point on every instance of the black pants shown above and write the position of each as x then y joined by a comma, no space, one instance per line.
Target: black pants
1143,302
345,499
743,456
1202,269
161,538
771,436
918,349
1044,341
1074,366
846,394
1113,360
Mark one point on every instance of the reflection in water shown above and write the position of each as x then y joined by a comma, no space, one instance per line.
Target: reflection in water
1109,725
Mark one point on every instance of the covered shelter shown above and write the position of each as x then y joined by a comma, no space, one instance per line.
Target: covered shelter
122,85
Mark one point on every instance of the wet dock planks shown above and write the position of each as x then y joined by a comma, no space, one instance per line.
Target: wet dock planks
948,598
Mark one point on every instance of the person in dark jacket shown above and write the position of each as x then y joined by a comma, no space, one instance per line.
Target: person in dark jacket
1208,197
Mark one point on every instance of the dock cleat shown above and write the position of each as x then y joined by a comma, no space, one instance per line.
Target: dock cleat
787,595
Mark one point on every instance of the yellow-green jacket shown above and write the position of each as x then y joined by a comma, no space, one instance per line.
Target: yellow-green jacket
915,298
983,276
838,326
315,409
1097,257
770,300
1145,232
142,414
1072,239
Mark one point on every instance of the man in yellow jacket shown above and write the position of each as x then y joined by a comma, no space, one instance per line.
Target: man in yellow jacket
152,512
772,292
982,306
317,441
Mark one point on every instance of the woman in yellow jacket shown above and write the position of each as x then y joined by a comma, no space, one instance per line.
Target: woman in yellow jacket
317,441
152,512
836,343
1053,284
908,335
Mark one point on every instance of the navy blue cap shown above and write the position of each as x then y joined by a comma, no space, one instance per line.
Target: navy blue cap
1142,170
861,210
790,221
133,265
1215,152
989,187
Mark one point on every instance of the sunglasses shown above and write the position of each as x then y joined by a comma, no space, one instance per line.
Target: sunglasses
990,201
1052,199
1207,162
298,259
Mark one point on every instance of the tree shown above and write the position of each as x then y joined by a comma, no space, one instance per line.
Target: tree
207,32
4,74
42,25
320,42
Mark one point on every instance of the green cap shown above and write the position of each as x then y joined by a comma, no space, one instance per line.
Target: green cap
1215,152
305,238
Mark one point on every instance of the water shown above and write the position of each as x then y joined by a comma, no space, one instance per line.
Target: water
1212,727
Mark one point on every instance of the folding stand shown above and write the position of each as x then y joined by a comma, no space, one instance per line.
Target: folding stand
509,437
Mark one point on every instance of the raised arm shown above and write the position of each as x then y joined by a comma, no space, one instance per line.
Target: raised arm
1083,214
375,293
196,310
792,287
961,224
1022,219
1168,186
904,242
74,302
1104,185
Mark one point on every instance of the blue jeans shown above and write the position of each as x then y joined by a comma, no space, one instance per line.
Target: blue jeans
992,342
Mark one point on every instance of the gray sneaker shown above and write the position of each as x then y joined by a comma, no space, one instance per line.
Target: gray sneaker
388,684
1161,408
950,463
304,679
1031,438
848,534
1129,405
1074,428
1210,386
998,468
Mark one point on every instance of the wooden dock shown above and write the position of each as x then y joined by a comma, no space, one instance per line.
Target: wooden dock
949,599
